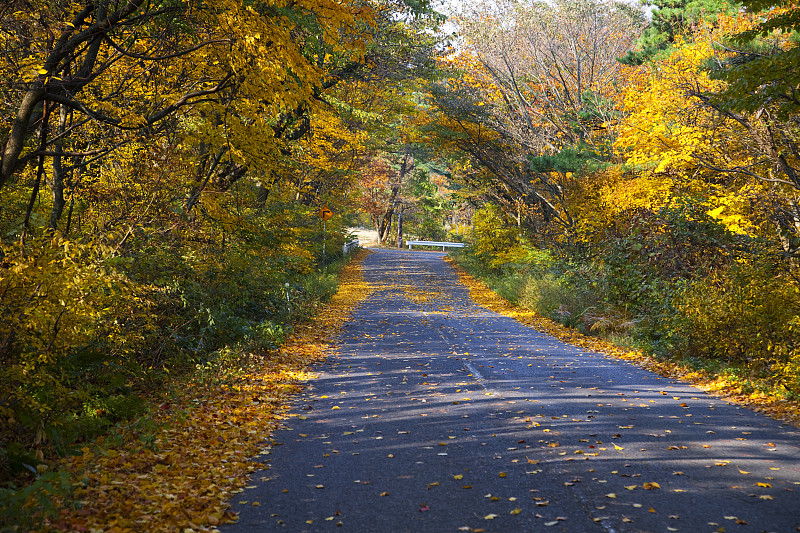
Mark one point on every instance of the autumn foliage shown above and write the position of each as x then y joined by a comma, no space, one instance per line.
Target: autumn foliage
161,169
655,205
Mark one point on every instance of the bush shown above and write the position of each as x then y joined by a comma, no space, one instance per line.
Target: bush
744,314
497,241
86,331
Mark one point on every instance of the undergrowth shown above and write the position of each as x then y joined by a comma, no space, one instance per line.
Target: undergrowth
32,480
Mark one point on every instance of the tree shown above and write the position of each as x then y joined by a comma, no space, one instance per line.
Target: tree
532,102
669,19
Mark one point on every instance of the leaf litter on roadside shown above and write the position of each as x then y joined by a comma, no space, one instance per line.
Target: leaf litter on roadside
207,436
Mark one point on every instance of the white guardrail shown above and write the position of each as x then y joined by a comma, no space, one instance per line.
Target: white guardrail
349,246
435,243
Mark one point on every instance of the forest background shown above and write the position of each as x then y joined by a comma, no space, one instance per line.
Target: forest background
632,176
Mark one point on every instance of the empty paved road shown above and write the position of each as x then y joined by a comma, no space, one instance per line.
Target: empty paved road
441,416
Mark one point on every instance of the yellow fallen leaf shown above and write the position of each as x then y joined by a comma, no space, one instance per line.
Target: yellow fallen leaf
651,486
458,476
766,485
516,511
611,495
490,516
503,474
335,407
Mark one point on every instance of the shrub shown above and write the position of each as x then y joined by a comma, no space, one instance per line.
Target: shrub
497,241
745,314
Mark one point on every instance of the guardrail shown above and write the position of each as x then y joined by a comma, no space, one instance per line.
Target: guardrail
349,246
436,243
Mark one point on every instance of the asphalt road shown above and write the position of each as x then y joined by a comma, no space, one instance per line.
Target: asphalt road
439,416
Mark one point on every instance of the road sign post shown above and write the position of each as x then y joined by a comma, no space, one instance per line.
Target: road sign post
325,213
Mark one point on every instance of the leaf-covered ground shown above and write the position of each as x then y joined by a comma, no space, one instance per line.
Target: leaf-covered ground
181,477
771,405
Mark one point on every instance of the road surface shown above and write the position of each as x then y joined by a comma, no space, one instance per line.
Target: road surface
437,415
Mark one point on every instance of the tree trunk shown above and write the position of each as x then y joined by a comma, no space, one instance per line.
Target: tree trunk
58,172
400,226
386,225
